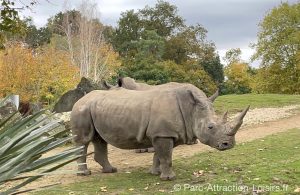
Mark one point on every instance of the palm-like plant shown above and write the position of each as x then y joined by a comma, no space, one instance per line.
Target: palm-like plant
23,141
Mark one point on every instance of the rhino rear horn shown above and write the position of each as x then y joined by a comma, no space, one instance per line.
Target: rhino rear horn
238,121
225,116
214,96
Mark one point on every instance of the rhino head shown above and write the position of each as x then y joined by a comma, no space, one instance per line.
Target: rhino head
215,131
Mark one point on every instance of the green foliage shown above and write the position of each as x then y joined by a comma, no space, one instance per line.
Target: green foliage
278,47
238,167
55,23
163,18
238,79
36,37
233,56
23,141
214,68
157,47
10,22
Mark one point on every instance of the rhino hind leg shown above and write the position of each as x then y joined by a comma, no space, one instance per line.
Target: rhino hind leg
82,166
100,147
155,170
164,148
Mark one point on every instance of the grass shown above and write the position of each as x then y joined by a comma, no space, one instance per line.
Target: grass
235,103
272,163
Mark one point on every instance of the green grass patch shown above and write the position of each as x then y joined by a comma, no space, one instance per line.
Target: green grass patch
235,103
272,164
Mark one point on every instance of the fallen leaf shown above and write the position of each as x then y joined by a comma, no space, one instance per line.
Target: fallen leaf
103,189
297,190
198,173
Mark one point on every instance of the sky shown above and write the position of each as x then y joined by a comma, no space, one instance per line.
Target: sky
230,23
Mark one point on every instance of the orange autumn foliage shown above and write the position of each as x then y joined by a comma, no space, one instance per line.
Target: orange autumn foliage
41,75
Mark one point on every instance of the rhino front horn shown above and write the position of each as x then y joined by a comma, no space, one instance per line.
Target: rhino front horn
214,96
238,121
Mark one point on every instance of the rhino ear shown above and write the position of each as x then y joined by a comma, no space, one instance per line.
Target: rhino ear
107,85
120,81
195,99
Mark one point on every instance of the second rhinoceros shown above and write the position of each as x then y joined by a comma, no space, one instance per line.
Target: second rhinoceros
164,119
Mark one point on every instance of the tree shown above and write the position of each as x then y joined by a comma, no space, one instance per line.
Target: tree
233,56
163,18
10,21
151,38
81,34
145,65
278,46
238,73
188,44
129,29
214,68
238,78
42,76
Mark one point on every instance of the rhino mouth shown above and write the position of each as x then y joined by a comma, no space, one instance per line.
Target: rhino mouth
224,146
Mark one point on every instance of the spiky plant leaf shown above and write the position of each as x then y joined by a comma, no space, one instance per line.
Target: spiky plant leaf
23,141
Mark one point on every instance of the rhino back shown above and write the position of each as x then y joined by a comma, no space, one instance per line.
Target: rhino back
131,119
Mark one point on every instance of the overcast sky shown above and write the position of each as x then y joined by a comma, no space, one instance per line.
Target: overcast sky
230,23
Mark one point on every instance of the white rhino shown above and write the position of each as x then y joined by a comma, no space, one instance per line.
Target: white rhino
130,83
164,119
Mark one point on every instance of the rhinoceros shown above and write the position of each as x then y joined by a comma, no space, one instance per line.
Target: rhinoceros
164,119
68,99
130,83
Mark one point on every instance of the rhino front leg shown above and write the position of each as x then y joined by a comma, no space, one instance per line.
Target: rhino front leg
101,157
82,166
164,148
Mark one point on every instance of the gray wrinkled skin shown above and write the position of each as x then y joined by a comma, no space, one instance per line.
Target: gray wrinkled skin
130,83
164,119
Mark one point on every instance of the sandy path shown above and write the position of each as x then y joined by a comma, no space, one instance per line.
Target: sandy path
125,160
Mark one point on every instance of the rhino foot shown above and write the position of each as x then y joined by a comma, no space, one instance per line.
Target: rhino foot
109,170
154,171
84,173
168,177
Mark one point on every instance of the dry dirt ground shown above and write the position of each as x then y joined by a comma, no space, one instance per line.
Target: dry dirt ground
258,123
